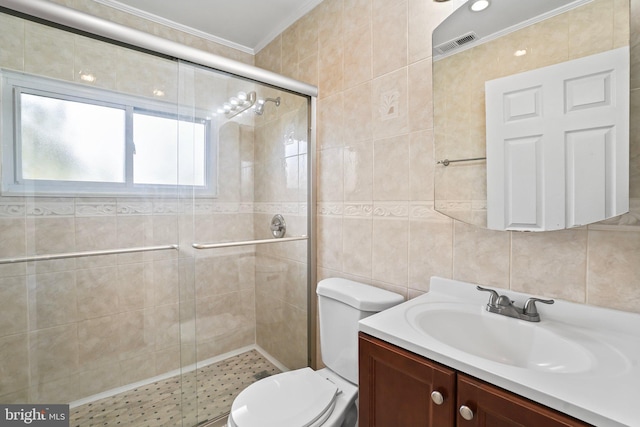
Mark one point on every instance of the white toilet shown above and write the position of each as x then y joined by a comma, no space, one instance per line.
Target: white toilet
308,398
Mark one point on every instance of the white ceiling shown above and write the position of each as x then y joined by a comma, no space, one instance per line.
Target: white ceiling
247,25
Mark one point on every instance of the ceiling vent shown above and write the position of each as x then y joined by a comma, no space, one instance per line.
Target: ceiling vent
456,43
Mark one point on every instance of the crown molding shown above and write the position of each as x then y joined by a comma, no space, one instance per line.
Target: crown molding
175,25
282,25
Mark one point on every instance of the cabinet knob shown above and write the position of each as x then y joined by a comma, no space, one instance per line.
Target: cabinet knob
437,398
466,412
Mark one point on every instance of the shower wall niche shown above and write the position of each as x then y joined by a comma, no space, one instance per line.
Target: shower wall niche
81,328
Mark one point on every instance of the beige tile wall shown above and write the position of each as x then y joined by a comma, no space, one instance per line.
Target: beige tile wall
376,223
79,325
72,328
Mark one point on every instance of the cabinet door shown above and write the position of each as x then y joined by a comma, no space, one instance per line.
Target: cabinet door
494,407
396,386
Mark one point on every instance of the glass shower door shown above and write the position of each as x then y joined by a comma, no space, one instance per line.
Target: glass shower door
111,309
90,270
250,290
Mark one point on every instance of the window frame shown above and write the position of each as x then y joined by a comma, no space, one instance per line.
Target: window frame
13,84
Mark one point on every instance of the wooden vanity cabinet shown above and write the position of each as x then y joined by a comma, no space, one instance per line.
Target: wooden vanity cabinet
395,389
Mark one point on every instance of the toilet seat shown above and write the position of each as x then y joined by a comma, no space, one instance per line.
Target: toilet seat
300,398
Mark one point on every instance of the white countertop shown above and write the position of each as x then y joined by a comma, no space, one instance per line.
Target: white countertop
605,396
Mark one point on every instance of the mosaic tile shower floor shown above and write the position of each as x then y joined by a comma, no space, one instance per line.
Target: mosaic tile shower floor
159,404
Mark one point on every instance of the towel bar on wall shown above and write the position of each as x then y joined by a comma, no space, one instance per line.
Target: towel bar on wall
246,242
86,253
446,162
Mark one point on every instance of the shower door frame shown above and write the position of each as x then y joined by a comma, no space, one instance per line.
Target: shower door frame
97,27
79,22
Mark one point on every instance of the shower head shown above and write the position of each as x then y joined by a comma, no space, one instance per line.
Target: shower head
259,107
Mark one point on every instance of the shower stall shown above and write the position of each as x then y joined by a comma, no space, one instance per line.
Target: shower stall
156,222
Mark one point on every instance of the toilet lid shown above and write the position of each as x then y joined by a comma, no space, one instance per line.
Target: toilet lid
294,398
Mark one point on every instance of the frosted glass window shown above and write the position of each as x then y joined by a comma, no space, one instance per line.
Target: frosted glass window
168,151
71,141
63,138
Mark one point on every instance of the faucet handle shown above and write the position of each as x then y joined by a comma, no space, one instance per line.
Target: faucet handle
504,301
530,306
493,298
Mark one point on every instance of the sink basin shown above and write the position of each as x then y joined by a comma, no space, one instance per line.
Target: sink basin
473,330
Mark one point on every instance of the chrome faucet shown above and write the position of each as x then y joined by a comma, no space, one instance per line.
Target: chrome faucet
502,304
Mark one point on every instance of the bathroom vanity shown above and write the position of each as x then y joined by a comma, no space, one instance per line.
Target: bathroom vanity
399,388
443,360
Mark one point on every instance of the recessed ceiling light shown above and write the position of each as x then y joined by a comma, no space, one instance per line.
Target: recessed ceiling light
479,5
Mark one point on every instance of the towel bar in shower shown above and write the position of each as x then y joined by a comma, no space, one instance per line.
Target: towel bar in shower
246,242
86,253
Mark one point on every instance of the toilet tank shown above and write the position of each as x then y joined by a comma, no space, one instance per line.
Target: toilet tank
341,304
